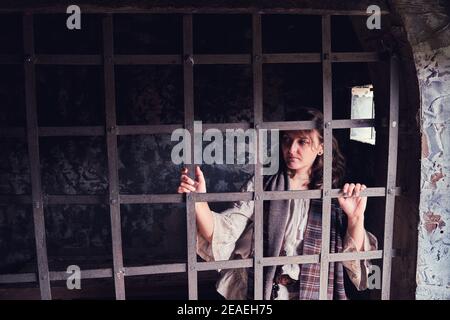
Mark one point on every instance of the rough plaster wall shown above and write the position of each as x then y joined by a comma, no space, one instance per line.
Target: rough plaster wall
427,26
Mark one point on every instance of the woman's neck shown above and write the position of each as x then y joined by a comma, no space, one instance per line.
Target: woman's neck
298,180
299,174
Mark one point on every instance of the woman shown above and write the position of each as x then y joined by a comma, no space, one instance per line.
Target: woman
291,227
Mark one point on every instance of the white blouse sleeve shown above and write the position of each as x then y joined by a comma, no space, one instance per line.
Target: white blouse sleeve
358,270
229,226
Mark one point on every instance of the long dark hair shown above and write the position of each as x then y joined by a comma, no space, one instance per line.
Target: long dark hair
338,163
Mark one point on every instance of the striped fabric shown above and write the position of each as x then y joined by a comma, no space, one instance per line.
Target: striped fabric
275,219
310,273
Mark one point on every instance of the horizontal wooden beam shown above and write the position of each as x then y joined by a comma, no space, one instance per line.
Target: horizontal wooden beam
198,197
68,59
177,59
71,131
84,274
150,198
156,269
279,261
224,264
354,8
143,59
347,256
222,58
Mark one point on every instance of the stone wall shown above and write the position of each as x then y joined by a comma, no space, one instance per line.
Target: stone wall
427,24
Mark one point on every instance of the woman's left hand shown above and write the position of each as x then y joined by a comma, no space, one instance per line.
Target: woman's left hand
352,203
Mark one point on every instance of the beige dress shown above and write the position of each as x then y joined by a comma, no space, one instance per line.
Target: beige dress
233,239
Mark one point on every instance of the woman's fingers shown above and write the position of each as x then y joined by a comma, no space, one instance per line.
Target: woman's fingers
351,187
183,190
345,189
357,190
185,178
363,187
187,186
353,190
199,174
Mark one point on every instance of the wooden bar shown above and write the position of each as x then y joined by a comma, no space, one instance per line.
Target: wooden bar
225,264
369,192
84,274
76,199
14,132
327,155
337,9
222,58
71,131
147,59
150,198
291,58
18,278
111,146
188,81
288,125
279,261
285,195
178,198
156,269
69,59
347,256
223,196
353,123
391,178
174,59
33,154
258,119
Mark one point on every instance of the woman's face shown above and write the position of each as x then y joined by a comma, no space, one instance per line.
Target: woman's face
300,148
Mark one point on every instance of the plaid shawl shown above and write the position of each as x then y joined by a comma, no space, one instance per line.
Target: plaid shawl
275,220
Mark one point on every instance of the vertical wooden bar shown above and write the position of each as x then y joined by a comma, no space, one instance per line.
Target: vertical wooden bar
33,153
258,119
188,80
328,156
391,178
111,145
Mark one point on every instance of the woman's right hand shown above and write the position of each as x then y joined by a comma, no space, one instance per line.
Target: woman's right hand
204,217
188,185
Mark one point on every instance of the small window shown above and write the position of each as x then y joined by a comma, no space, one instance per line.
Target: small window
363,108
